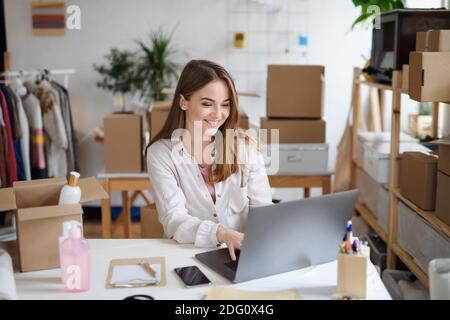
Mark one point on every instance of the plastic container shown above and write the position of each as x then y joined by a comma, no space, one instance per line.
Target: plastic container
75,261
71,192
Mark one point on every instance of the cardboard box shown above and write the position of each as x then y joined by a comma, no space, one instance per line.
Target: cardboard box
123,143
405,77
433,41
418,179
443,197
150,225
39,219
421,41
295,91
352,275
428,76
295,130
444,156
157,116
243,121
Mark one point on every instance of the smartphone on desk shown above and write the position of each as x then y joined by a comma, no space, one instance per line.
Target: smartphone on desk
192,276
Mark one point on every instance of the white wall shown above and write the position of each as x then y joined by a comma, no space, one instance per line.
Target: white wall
201,33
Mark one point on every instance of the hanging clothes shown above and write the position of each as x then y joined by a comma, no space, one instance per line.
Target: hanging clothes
72,163
11,156
3,152
56,138
25,138
32,108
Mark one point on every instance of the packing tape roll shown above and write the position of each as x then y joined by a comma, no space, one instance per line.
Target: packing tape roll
7,283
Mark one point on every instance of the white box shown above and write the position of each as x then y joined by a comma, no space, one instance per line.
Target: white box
298,158
368,190
371,136
377,157
417,237
383,208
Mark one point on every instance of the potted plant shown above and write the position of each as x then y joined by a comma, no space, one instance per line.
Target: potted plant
119,75
383,5
155,68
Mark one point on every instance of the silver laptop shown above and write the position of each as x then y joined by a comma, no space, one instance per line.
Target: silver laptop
286,236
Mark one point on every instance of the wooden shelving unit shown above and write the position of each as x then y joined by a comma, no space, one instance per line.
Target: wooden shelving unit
393,248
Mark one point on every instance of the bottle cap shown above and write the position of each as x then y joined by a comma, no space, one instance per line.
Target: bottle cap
75,231
73,178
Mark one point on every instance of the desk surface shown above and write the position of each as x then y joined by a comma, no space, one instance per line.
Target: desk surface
316,282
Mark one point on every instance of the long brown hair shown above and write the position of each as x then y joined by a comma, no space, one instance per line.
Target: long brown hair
195,75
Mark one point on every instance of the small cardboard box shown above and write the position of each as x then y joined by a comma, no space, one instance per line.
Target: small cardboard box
405,77
39,218
443,197
444,156
150,225
418,179
433,41
243,121
421,41
295,91
158,114
428,76
438,40
352,275
296,130
123,143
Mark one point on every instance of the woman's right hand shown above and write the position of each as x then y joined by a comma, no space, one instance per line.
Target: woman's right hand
232,238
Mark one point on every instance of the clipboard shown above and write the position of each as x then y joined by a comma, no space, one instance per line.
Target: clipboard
136,261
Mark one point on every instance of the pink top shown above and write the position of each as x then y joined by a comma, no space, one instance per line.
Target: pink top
205,174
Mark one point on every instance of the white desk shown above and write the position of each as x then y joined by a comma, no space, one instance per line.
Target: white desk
317,282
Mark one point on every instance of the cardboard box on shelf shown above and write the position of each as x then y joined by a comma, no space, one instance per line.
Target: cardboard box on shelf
123,143
295,91
158,114
150,225
433,41
39,218
421,41
444,156
405,77
428,76
418,179
443,198
296,130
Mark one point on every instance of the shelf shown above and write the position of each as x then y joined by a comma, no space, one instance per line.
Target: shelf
371,219
429,216
410,263
358,163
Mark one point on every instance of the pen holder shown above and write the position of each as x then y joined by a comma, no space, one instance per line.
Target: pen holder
352,275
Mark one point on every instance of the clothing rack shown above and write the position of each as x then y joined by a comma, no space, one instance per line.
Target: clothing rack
22,73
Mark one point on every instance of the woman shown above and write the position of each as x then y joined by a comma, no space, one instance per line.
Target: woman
204,180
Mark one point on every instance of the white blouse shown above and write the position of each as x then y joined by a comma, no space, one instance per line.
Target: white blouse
184,204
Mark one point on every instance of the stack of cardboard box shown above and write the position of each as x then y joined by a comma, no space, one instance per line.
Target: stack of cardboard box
443,182
429,67
123,143
295,108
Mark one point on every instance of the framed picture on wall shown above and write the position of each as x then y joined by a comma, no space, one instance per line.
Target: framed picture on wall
48,18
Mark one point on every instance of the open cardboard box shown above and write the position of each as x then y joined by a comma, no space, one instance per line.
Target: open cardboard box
39,218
